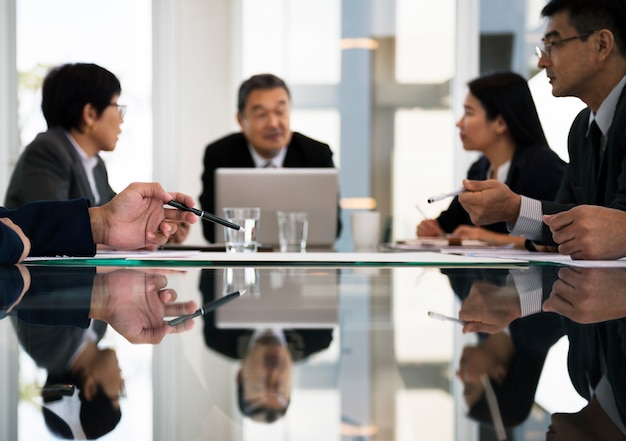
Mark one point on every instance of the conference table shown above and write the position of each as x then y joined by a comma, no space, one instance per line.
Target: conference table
317,346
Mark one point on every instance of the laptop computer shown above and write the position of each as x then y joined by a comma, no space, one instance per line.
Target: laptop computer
313,190
279,299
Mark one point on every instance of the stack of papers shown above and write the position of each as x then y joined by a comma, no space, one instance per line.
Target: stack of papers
436,244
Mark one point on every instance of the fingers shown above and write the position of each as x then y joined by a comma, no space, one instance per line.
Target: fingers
181,308
182,327
175,215
25,241
429,228
182,198
168,295
557,222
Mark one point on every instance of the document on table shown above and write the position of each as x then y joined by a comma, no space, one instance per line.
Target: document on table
436,244
528,256
209,258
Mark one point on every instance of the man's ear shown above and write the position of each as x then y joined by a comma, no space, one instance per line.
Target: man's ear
89,115
90,387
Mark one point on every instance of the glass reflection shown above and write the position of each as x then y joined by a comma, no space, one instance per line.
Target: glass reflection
266,351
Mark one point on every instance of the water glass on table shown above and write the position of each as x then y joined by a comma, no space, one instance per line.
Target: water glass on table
293,227
238,241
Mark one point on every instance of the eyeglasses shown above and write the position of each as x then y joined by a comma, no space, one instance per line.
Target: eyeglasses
545,49
121,108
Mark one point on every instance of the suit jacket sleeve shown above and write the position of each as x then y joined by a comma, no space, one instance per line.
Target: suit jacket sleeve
55,227
535,171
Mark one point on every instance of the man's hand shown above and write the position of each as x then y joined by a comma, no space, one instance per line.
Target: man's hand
25,241
589,232
589,295
181,233
489,308
136,217
491,201
135,304
429,228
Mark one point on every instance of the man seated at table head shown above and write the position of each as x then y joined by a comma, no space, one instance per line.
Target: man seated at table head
265,139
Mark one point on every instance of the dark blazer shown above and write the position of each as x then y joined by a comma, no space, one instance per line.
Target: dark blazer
50,168
577,187
535,171
232,152
53,227
598,350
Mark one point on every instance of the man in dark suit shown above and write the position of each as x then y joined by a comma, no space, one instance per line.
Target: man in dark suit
265,140
584,54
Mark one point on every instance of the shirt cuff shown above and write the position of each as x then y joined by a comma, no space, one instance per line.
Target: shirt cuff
529,223
529,287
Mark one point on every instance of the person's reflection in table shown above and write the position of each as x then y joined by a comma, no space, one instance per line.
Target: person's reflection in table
267,356
511,355
57,324
591,301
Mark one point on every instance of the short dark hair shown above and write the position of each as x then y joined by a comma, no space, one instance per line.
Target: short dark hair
98,416
507,94
258,82
592,15
69,87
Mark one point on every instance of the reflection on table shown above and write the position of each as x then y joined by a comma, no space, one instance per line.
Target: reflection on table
312,353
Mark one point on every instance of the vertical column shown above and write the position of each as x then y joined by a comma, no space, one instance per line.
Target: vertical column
9,139
355,104
355,364
9,144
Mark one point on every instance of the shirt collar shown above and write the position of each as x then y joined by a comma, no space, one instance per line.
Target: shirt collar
503,171
606,111
260,161
88,162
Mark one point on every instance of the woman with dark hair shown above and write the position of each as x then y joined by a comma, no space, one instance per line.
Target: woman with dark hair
500,121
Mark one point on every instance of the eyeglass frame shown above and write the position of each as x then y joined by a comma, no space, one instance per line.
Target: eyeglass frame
121,108
546,50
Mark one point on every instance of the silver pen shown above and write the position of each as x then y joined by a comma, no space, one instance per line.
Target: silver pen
438,316
440,197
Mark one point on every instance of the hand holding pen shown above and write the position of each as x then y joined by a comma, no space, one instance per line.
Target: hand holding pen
206,216
490,201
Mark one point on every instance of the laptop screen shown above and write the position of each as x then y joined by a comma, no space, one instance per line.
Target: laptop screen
312,190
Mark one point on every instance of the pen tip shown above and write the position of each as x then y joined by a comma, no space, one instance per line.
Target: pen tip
242,291
241,228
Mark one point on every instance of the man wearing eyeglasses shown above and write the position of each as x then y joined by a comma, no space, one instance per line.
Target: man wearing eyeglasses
583,52
80,104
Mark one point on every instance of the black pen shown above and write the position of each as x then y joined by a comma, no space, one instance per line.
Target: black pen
205,215
208,307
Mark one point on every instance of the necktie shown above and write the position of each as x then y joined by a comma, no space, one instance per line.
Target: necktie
595,142
598,167
268,164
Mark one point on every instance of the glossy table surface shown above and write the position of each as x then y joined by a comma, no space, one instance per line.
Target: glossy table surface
339,352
